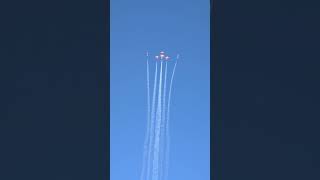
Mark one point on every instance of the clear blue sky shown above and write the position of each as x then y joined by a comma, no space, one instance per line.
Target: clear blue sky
175,26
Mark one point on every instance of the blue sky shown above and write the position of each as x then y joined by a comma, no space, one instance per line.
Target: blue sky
174,26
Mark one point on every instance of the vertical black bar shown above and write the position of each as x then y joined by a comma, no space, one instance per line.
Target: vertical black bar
107,16
54,95
265,90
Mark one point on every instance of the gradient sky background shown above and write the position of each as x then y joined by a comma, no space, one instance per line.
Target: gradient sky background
176,26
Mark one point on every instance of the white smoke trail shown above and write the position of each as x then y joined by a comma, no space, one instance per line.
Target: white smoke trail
167,125
157,131
152,122
146,140
163,123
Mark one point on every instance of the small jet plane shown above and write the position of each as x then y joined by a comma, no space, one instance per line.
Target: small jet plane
162,56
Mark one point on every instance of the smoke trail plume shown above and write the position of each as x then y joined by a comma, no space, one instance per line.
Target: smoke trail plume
163,124
145,151
155,163
157,131
167,155
152,123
